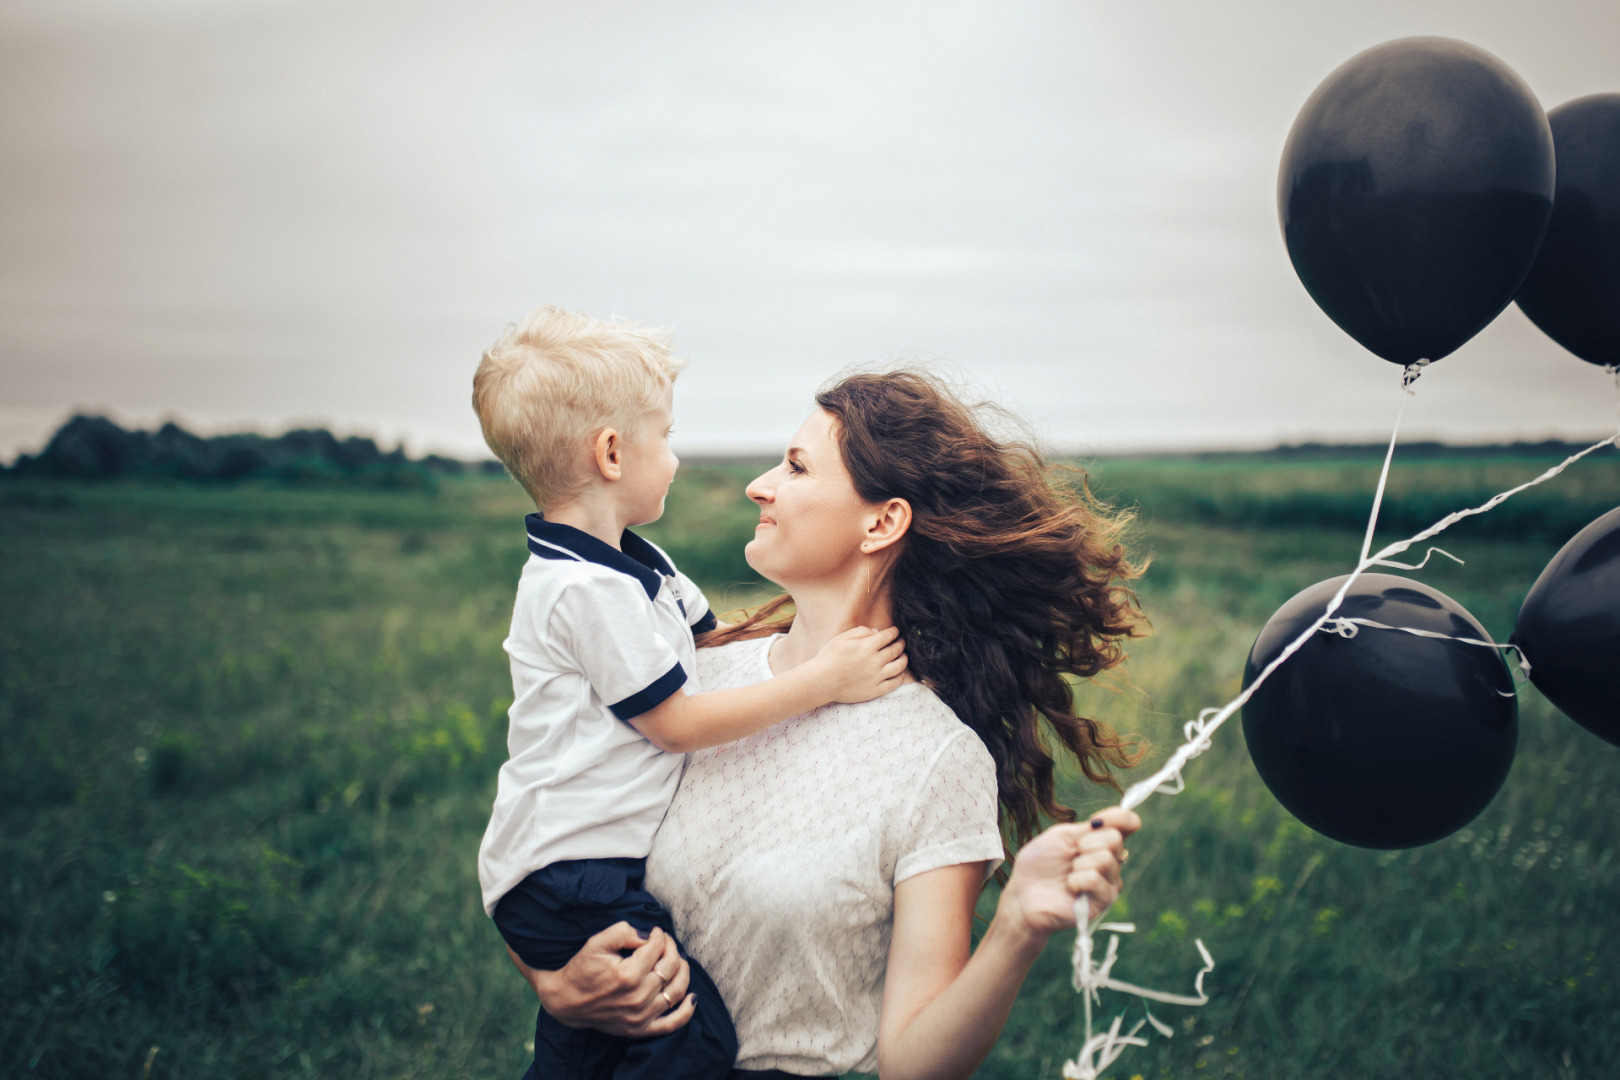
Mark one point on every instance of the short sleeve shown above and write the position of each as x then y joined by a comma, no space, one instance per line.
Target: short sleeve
607,627
953,816
699,616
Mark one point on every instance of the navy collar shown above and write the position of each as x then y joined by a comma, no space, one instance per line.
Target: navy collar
639,559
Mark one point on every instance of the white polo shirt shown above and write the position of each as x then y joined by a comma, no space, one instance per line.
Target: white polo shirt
598,637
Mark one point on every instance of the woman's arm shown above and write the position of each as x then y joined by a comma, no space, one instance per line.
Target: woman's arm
603,989
942,1009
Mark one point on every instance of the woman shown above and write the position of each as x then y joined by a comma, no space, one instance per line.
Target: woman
826,870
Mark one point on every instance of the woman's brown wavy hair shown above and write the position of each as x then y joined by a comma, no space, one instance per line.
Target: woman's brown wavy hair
1008,586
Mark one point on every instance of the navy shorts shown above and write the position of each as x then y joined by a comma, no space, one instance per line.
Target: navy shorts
546,919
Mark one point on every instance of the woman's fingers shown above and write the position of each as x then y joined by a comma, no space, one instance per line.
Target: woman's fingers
646,955
670,979
1095,887
1094,870
894,668
681,982
647,971
1100,884
620,937
1115,817
673,1020
670,958
1103,863
662,986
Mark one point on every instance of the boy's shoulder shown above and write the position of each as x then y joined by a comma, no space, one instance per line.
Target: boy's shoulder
579,556
568,568
558,586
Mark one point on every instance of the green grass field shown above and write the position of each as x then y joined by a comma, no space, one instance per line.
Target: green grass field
248,742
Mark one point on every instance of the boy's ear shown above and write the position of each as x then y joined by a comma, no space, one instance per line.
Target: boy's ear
607,449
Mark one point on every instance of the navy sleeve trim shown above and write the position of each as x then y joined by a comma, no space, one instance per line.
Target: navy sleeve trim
705,624
653,696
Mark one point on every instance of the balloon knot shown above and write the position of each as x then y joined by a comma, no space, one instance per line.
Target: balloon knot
1524,661
1412,371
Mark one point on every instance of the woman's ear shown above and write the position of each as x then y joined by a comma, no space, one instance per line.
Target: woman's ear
607,452
886,525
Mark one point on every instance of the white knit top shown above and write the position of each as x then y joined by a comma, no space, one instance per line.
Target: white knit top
780,853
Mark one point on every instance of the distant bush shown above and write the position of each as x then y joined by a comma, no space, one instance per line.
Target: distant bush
96,448
1300,487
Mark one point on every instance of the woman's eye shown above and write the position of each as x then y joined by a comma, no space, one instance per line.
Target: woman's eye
794,466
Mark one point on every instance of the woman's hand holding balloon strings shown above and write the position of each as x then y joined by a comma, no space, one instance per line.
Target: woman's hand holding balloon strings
1066,863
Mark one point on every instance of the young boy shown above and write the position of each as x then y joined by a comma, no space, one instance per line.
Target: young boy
605,699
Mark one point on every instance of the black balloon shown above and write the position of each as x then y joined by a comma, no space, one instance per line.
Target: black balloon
1414,191
1386,739
1569,628
1573,290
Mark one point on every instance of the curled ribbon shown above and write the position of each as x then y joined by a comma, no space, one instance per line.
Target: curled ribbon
1102,1050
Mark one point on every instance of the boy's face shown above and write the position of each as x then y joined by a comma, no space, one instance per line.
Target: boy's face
649,464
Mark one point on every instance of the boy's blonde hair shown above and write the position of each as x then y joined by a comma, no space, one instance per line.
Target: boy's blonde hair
553,381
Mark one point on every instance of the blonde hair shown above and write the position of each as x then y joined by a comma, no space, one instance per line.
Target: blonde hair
554,380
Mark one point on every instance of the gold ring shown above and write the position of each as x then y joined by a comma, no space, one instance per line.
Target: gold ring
665,996
1124,853
661,977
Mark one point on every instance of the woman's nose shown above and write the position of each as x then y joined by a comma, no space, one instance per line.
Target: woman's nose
761,488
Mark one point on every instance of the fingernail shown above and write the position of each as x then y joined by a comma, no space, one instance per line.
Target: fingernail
1096,823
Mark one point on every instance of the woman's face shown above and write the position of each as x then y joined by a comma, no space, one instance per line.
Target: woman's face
811,521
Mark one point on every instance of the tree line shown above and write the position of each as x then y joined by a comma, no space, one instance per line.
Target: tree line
96,448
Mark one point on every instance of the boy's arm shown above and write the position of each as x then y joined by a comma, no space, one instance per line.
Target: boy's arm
857,665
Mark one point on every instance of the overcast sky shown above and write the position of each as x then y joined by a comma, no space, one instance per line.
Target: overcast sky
252,213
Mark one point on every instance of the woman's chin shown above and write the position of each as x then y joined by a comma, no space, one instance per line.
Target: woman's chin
754,554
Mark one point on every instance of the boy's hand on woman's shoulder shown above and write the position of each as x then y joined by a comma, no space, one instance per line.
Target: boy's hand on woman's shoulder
861,664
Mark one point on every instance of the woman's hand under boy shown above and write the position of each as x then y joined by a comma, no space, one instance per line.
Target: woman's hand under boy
618,984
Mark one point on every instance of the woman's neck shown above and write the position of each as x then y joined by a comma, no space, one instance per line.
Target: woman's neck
823,610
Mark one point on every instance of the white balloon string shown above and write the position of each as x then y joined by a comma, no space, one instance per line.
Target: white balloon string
1614,369
1427,555
1199,732
1100,1051
1350,626
1409,375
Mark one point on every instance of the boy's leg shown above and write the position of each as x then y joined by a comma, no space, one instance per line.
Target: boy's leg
545,920
706,1047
